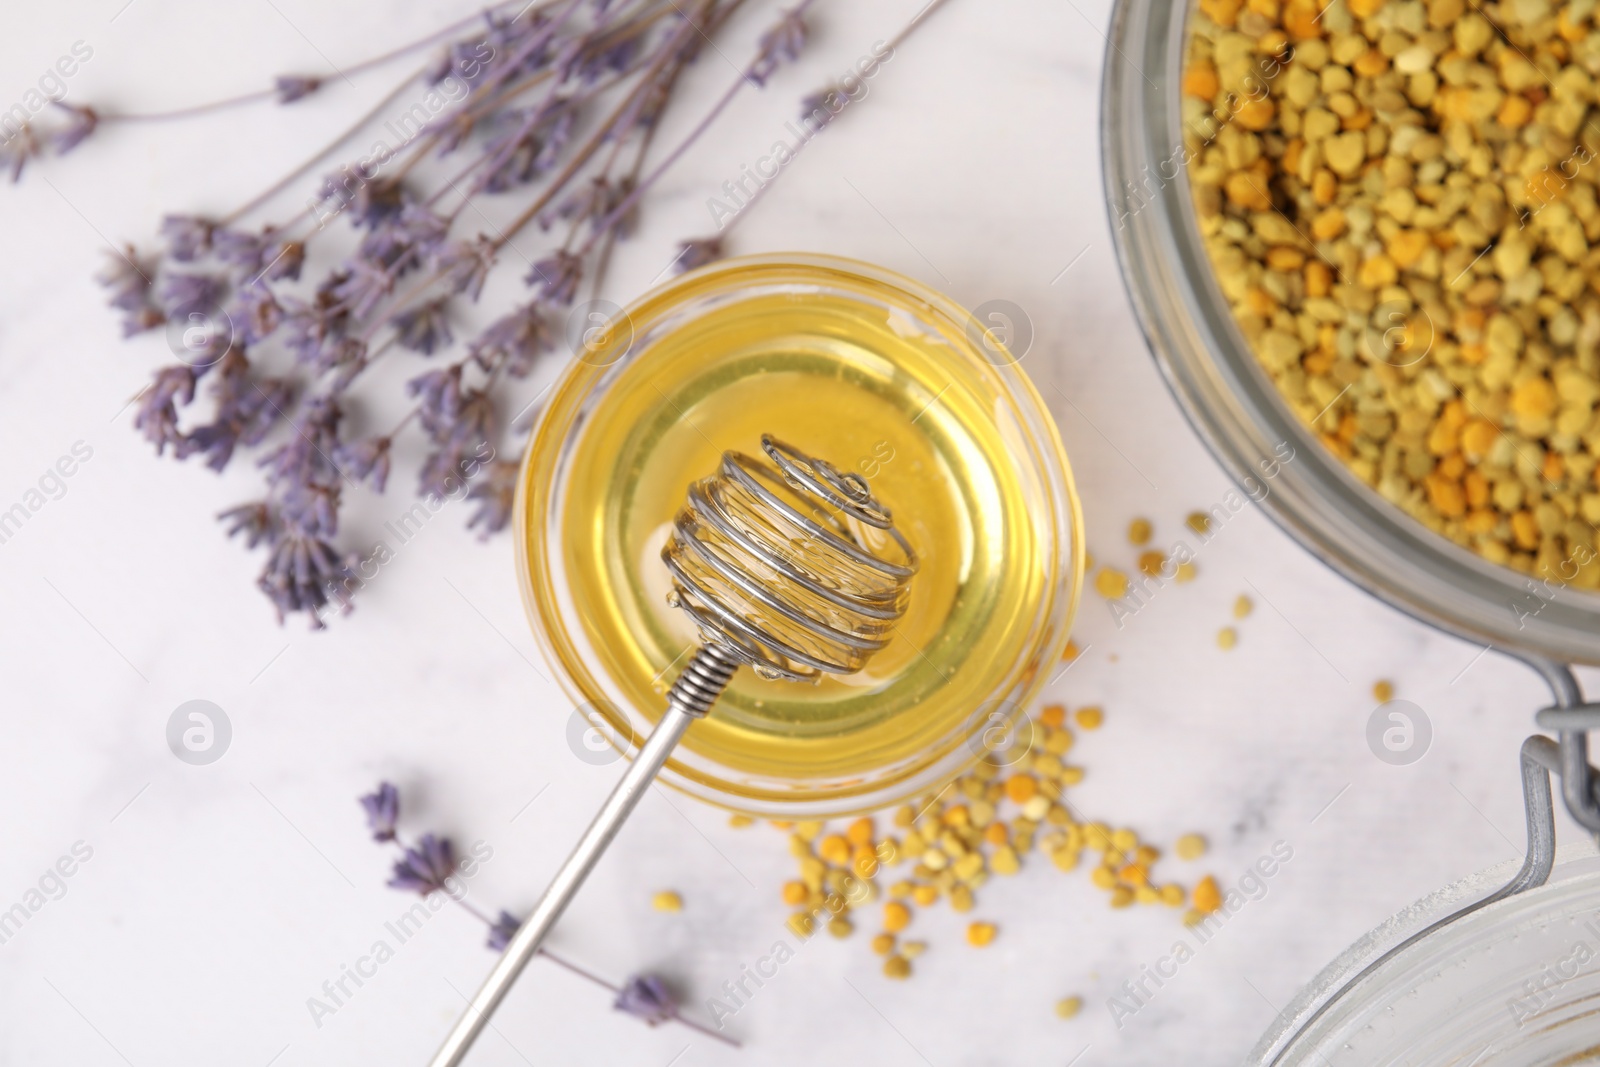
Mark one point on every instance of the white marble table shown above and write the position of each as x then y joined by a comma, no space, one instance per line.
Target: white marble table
218,899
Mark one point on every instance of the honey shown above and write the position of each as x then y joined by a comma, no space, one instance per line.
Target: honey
915,411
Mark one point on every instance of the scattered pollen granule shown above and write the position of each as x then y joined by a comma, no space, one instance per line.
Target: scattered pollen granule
1111,584
1009,810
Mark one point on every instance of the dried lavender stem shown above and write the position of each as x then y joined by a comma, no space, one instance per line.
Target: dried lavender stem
683,146
894,42
637,95
288,179
360,67
552,190
595,978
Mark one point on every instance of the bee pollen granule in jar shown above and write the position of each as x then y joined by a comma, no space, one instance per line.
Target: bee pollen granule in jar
1400,205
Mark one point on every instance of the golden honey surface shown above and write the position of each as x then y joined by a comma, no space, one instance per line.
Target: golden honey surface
869,390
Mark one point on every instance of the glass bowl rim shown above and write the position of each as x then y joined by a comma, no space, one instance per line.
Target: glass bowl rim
545,451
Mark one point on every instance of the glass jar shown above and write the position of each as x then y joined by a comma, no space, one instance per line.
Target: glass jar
843,348
1234,405
1512,984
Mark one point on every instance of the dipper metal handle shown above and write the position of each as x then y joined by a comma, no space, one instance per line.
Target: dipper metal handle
789,566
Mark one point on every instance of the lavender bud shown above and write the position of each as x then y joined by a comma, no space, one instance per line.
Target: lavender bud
495,492
157,415
645,996
291,87
697,253
426,866
128,278
780,44
303,573
502,930
188,236
426,327
383,811
81,122
184,292
516,340
366,460
258,522
558,276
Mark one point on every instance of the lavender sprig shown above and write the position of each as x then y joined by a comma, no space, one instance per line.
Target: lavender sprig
552,106
430,866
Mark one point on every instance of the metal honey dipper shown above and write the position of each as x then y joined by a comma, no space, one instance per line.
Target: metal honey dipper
787,566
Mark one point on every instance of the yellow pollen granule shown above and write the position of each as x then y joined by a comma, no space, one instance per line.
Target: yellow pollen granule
1111,584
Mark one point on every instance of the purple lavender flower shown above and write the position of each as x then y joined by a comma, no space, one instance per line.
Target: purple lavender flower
345,355
366,460
129,278
495,491
439,392
516,340
247,407
365,286
697,253
81,122
823,106
188,236
181,293
256,313
779,45
403,240
558,276
287,263
304,459
426,327
259,254
426,866
244,249
140,320
502,930
465,265
383,811
304,573
291,87
17,149
257,521
645,996
157,415
310,326
377,200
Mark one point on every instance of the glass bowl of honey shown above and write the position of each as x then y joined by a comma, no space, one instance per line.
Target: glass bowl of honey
879,376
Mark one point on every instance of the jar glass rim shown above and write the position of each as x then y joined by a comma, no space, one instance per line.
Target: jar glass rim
1234,406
